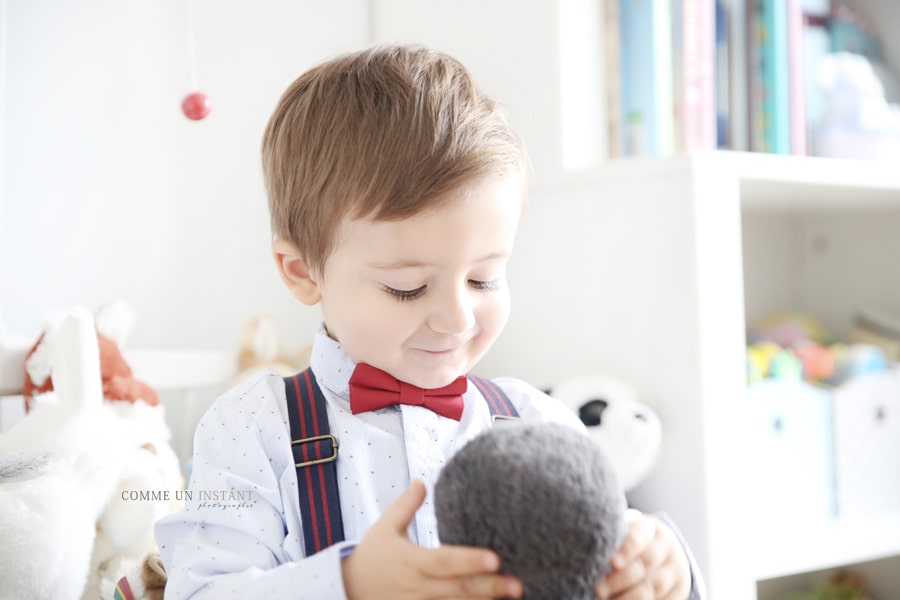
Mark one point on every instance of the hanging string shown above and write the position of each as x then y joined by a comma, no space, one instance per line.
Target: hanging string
192,54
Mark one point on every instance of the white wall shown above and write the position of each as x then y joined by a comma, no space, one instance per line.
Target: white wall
108,191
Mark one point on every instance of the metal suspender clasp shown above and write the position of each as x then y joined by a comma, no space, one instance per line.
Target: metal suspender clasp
495,418
318,461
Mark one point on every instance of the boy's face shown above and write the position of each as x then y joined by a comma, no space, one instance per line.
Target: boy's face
423,298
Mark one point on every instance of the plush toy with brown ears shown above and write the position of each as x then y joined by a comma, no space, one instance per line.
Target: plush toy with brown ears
113,322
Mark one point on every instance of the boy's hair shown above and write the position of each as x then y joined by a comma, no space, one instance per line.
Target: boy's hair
381,133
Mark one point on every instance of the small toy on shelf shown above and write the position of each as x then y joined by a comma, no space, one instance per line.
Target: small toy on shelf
856,359
793,345
845,585
767,360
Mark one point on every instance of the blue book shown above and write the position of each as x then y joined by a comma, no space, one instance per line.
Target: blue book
723,76
775,65
645,29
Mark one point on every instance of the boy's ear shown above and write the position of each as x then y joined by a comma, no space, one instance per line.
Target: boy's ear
295,272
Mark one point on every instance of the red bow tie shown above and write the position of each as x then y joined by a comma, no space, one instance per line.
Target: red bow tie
371,389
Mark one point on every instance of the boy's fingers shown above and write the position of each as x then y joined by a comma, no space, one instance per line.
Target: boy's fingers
400,514
640,533
457,561
478,586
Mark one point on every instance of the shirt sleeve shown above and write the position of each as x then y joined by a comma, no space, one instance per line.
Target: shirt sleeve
236,537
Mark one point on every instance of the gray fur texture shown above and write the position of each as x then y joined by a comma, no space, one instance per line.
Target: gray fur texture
544,497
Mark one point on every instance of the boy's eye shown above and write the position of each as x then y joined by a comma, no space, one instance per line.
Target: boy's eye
484,285
405,294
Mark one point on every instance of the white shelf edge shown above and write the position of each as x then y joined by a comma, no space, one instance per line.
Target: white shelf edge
839,542
769,181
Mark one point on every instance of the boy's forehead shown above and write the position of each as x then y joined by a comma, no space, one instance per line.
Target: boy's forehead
485,212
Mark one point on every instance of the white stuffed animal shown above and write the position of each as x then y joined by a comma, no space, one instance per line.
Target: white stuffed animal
628,430
858,120
65,523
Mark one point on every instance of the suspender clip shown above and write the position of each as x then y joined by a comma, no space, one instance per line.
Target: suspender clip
495,418
318,461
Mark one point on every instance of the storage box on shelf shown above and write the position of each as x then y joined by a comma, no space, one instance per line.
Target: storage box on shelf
867,444
788,430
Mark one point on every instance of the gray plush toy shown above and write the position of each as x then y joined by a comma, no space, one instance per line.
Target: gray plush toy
544,497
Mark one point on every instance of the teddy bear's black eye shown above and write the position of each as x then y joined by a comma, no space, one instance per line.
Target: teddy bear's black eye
591,412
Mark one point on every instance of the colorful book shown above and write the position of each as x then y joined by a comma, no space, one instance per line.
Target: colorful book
796,78
646,77
698,74
755,87
723,77
774,47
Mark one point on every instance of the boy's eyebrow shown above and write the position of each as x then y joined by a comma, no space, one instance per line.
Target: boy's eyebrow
413,264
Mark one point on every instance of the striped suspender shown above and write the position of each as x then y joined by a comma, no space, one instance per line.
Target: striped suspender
315,453
498,402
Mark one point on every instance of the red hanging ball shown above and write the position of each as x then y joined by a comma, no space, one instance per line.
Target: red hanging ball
196,106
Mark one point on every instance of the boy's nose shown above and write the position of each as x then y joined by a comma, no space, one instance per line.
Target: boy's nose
454,313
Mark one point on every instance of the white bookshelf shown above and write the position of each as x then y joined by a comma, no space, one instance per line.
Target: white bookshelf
651,270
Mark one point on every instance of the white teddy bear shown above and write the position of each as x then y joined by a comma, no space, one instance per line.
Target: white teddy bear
68,525
628,430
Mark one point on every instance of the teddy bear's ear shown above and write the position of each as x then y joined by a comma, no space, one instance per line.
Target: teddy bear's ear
153,573
261,342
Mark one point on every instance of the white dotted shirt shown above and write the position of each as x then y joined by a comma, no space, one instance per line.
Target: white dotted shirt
240,533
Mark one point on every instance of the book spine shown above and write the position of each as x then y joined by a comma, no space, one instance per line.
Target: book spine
646,77
698,71
755,87
797,79
612,45
663,101
723,76
775,77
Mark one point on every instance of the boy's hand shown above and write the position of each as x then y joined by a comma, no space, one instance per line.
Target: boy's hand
387,565
649,565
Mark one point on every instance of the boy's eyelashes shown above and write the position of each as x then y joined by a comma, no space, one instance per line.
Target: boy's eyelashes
404,295
485,285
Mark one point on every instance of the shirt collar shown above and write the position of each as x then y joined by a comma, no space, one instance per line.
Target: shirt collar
331,364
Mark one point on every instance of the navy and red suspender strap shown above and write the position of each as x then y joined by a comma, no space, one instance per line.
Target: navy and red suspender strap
315,457
315,453
498,402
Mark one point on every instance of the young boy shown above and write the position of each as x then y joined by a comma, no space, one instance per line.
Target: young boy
395,188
